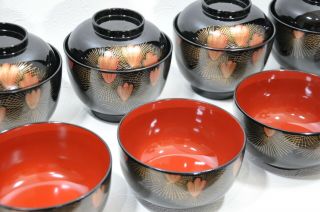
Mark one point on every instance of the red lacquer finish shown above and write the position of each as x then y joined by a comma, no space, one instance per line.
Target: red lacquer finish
285,100
50,164
180,135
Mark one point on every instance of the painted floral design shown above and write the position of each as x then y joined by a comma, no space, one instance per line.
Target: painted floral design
256,39
256,56
133,55
108,62
33,98
236,167
150,59
228,68
125,91
216,39
98,197
154,76
196,187
8,76
171,178
28,80
2,114
269,132
241,35
298,34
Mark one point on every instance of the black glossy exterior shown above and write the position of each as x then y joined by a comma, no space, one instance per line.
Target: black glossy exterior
216,51
281,149
296,46
31,104
171,190
128,89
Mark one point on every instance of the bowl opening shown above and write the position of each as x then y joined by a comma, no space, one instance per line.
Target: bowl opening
181,136
13,39
49,165
118,23
283,100
226,9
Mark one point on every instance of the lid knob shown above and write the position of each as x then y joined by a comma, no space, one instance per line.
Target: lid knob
13,39
226,9
118,23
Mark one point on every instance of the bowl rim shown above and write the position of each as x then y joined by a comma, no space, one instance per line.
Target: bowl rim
266,42
79,199
58,69
269,126
238,155
272,13
166,57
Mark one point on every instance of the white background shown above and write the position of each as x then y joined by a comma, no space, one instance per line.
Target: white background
255,189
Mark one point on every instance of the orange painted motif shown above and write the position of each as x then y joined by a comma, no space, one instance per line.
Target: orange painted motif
241,35
171,178
125,91
150,59
133,56
228,68
154,76
9,76
256,56
108,62
2,114
33,98
217,39
256,39
195,188
269,132
28,80
298,34
97,197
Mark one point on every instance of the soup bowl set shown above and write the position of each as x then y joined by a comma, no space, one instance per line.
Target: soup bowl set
175,153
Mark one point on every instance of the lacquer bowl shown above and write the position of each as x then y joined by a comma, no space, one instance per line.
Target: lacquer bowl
179,153
220,42
30,77
117,61
297,42
280,113
53,167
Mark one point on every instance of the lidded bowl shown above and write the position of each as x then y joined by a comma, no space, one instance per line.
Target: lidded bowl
25,59
117,60
297,43
30,77
223,42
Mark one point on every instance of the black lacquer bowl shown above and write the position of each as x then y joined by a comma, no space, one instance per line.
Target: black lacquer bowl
53,167
280,113
30,77
219,43
117,61
297,43
180,153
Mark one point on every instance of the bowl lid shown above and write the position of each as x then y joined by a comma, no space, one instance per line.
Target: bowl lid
222,24
25,59
303,14
117,39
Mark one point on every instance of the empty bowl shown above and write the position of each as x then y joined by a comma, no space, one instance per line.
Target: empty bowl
30,77
297,42
53,167
117,61
280,113
220,42
180,153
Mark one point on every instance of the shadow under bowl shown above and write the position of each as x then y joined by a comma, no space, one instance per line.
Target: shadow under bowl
295,48
110,94
280,113
53,167
31,104
214,73
177,153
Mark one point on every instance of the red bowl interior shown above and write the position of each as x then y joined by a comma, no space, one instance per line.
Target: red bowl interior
182,136
45,165
285,100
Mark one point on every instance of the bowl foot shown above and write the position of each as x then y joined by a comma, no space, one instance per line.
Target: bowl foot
213,95
107,117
